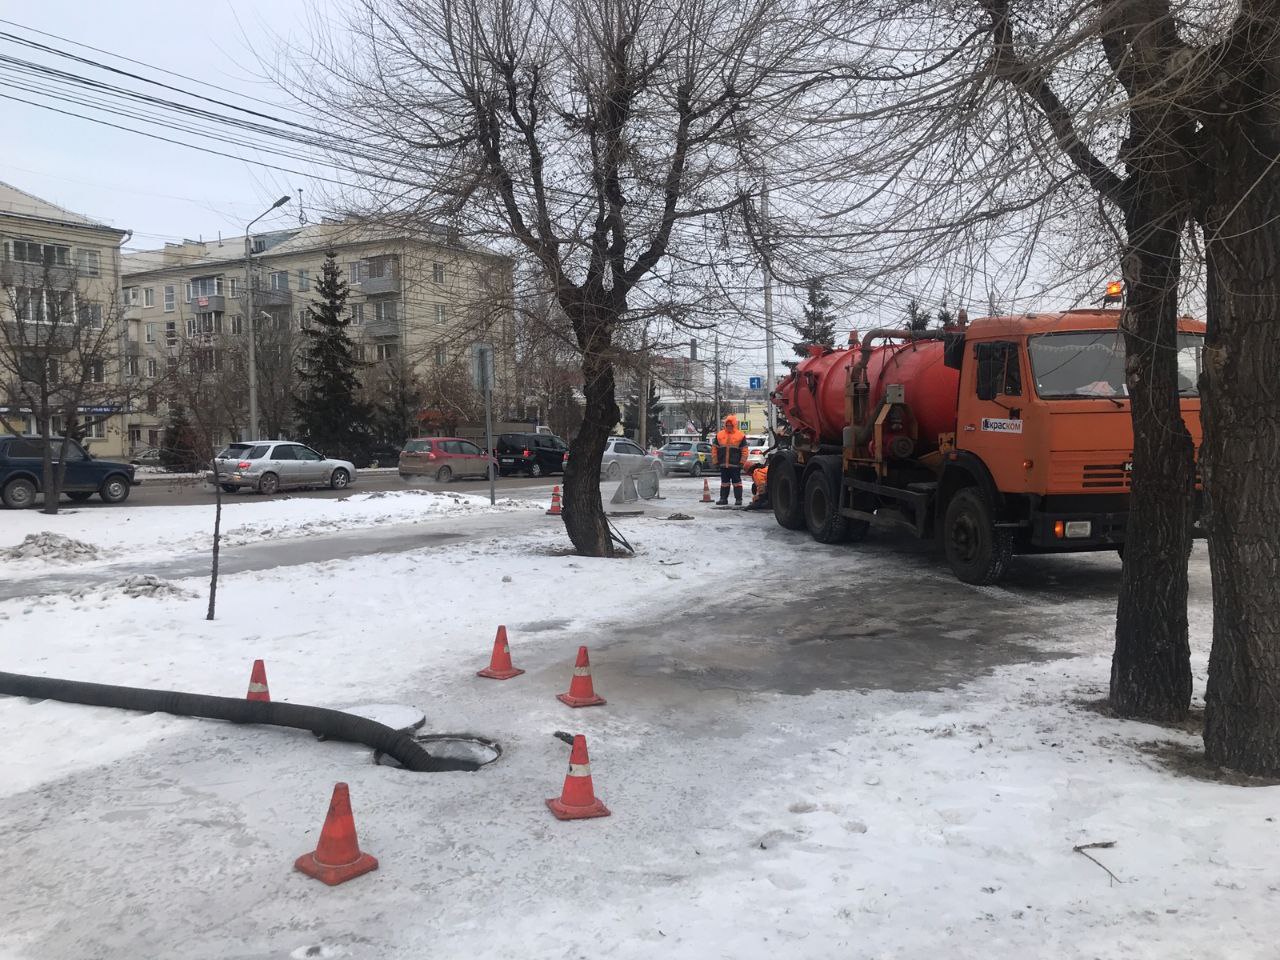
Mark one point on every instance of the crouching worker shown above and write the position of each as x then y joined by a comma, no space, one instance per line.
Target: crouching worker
760,490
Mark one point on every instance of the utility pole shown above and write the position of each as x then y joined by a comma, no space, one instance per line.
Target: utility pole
716,361
252,320
485,356
643,407
768,310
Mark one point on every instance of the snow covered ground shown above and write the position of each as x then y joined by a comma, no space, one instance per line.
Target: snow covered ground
808,751
135,534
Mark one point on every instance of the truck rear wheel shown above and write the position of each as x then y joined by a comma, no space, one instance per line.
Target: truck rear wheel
784,494
822,503
976,549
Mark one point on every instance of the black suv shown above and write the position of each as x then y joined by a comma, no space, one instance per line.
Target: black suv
21,472
533,454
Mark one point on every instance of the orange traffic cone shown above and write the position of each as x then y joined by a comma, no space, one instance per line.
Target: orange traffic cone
555,502
581,692
337,857
500,667
577,801
258,683
706,491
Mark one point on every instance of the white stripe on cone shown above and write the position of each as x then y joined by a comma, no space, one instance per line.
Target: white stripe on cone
579,769
582,671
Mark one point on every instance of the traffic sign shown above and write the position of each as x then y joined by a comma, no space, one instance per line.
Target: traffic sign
755,383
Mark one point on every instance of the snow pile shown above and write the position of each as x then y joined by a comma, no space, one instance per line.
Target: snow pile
145,585
141,532
52,548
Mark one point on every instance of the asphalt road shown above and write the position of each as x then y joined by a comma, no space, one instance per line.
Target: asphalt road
159,492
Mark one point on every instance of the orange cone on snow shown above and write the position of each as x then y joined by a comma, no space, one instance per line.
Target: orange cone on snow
337,857
581,692
555,502
577,801
258,683
500,667
706,491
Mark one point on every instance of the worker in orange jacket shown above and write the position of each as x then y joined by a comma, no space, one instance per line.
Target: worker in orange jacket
730,453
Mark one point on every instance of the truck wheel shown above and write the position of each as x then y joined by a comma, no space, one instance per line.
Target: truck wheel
977,551
784,494
822,503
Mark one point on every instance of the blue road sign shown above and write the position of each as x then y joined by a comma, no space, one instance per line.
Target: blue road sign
756,383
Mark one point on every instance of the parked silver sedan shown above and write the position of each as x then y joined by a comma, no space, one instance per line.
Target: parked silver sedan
270,465
625,456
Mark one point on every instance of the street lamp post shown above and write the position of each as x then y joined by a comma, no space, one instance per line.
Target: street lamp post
251,319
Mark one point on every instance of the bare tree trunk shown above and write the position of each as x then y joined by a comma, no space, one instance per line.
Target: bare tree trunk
1151,665
1241,460
583,512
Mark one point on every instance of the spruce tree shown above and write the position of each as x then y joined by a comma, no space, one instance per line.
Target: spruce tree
818,326
178,444
330,414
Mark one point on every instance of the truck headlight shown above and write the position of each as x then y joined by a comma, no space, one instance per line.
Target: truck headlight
1079,529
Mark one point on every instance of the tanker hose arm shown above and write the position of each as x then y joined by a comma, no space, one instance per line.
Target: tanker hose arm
859,368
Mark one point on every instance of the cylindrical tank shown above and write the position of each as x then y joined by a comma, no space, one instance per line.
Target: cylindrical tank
812,397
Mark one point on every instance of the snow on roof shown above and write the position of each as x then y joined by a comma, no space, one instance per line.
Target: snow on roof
19,203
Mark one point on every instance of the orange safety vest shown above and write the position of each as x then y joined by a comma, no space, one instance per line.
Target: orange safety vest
730,449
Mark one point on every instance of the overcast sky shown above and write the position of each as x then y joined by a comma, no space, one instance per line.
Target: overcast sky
158,190
167,192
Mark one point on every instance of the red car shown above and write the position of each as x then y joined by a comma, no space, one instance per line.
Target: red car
444,459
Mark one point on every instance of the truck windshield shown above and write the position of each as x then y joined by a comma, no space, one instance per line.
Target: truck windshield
1090,363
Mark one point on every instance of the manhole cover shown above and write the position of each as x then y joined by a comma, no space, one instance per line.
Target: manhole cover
450,746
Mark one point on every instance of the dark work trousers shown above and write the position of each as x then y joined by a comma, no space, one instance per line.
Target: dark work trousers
731,476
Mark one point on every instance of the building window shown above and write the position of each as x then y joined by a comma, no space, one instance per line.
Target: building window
385,311
97,371
47,254
152,405
280,280
150,334
172,364
388,351
90,315
204,323
304,319
96,429
357,271
442,355
153,437
171,332
131,296
170,297
440,313
131,366
148,296
357,314
237,324
135,436
204,287
152,368
437,272
88,262
304,279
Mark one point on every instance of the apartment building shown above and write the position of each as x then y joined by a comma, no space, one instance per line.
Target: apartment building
64,325
425,302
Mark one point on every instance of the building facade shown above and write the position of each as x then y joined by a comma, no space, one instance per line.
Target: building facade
424,306
62,341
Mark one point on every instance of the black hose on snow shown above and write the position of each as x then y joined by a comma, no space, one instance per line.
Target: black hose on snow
332,723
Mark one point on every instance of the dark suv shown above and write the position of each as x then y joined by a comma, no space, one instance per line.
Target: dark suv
21,472
533,454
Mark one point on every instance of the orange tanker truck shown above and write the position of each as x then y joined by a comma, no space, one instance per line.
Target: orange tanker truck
1007,434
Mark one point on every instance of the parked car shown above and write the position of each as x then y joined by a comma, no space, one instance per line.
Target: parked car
22,472
150,457
383,454
686,456
757,444
270,465
621,454
444,459
533,454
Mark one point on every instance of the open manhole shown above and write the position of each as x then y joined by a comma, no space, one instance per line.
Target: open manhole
450,746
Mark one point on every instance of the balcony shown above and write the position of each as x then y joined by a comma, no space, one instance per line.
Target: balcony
265,297
215,303
131,312
382,328
374,286
36,275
